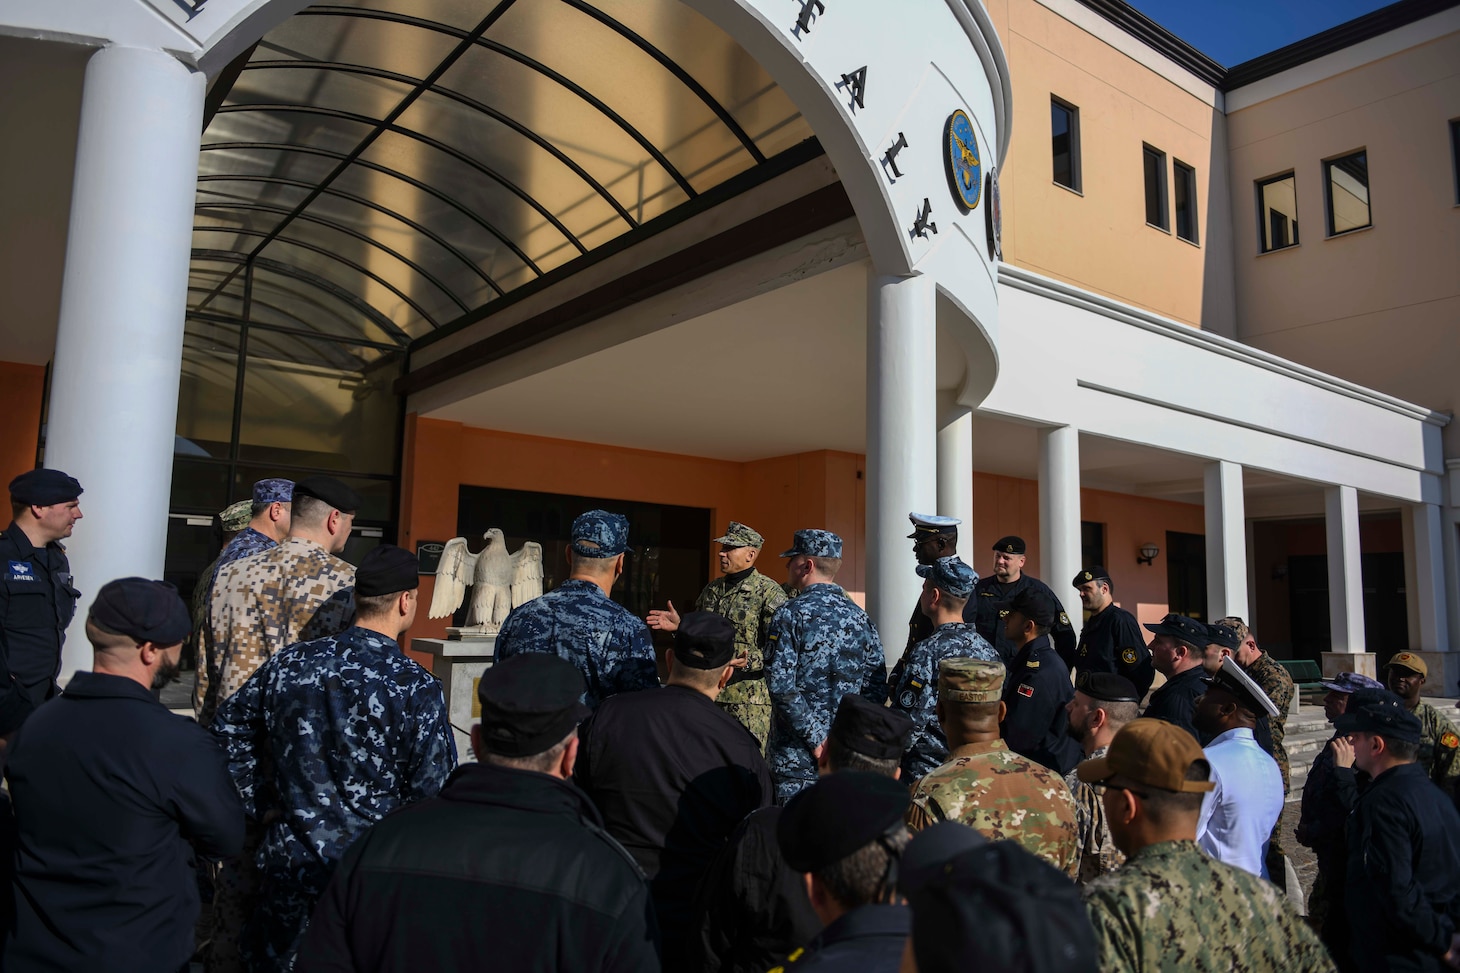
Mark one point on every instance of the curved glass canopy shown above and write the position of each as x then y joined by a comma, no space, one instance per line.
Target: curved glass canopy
380,168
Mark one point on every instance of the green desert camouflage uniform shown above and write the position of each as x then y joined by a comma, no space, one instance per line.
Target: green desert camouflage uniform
1275,681
1002,795
291,593
1098,854
1438,742
749,605
1170,907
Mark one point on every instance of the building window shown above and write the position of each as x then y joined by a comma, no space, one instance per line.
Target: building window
1347,180
1455,154
1277,212
1064,126
1092,543
1155,166
1185,190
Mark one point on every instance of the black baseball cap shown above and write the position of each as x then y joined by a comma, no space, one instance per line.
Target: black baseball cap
1188,630
838,815
1035,604
1382,712
871,729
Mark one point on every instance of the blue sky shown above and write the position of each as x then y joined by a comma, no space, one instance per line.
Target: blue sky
1233,31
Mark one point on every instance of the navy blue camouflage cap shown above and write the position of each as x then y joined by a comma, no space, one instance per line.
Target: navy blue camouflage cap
1382,712
43,488
148,611
815,543
273,490
950,574
1351,682
598,533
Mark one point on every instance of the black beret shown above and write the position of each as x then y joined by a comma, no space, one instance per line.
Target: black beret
1188,630
998,907
838,815
387,570
330,490
1035,604
1010,545
529,703
1225,636
148,611
1094,572
1107,687
41,488
705,640
871,729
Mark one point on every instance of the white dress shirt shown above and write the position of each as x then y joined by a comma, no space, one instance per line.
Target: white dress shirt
1237,818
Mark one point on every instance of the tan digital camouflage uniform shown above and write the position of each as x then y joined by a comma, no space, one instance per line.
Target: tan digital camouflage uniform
291,593
1170,907
1274,680
1098,854
1438,743
749,605
1002,795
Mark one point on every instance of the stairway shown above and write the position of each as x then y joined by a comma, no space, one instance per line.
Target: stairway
1308,733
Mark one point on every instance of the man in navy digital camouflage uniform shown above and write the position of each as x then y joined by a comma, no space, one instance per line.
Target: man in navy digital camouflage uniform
325,739
947,585
820,646
578,620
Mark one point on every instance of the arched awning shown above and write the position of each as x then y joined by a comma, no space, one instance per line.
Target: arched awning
380,168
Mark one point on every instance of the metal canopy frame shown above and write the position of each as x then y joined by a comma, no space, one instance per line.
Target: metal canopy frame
442,227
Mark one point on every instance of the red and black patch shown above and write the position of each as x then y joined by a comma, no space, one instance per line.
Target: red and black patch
1026,690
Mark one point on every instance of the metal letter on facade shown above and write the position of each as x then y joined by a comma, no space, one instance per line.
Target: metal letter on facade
923,224
809,10
889,158
856,85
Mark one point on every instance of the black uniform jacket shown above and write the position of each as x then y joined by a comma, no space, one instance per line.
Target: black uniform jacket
672,774
37,602
1175,702
751,911
505,870
1403,885
109,788
1036,690
984,610
869,939
1111,642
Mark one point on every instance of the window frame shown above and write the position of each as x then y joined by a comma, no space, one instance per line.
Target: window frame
1455,155
1328,165
1076,170
1260,185
1163,187
1183,173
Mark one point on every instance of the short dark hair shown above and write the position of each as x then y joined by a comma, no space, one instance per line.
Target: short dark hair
542,763
310,511
1164,806
368,606
1405,751
856,880
842,757
258,507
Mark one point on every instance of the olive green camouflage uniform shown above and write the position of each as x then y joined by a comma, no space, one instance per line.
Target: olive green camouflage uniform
1274,680
1170,907
749,605
1438,743
1002,795
1098,854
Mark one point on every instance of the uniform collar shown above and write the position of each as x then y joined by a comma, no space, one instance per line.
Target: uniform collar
877,919
1236,733
522,790
826,587
21,540
581,584
1040,644
974,749
1165,849
104,685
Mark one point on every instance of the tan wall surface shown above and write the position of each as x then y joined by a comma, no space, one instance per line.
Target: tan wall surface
1099,240
21,390
1379,306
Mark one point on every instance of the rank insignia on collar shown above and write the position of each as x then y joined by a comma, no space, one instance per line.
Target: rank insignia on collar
1032,664
1450,741
1128,656
1004,613
1026,690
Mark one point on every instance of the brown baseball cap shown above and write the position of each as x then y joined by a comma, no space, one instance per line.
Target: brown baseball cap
1410,661
1151,753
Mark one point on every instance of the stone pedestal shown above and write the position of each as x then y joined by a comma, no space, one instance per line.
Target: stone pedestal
1364,663
1444,669
459,665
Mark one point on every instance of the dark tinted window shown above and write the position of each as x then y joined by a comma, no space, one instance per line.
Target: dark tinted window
1185,192
1065,143
1154,162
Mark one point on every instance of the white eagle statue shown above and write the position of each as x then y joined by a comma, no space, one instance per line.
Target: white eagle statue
502,581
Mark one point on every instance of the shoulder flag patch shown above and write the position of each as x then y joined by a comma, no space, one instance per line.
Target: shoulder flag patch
1026,690
1450,741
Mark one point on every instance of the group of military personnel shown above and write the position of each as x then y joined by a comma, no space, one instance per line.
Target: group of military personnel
999,799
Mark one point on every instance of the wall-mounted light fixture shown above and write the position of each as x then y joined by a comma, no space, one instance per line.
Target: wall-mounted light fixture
1148,554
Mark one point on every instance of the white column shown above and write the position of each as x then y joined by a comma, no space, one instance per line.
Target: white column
1345,569
1059,513
114,383
1226,523
1424,543
955,470
902,418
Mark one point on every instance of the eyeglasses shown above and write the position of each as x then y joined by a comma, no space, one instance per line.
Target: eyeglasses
1102,786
